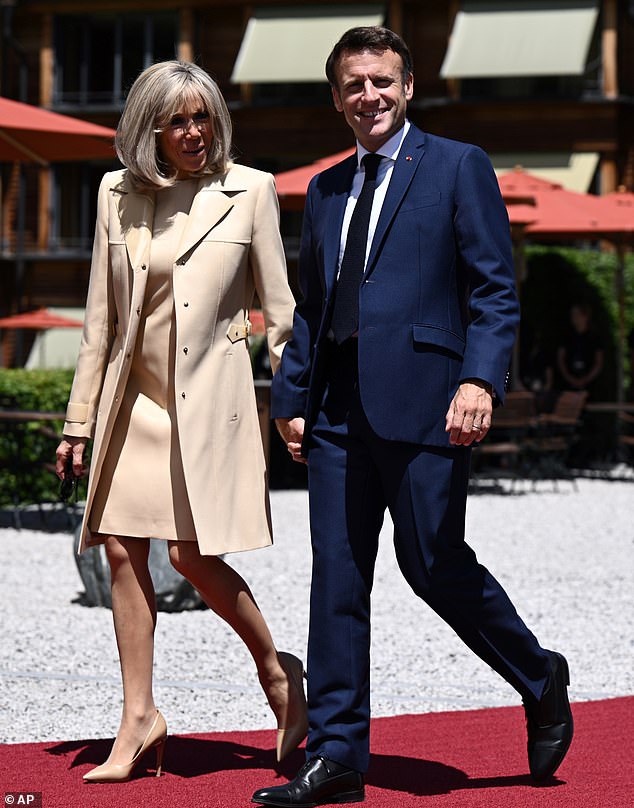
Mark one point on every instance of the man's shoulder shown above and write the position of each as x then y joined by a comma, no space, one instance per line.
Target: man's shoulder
335,179
343,167
443,144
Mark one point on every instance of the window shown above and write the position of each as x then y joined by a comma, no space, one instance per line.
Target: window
98,57
74,206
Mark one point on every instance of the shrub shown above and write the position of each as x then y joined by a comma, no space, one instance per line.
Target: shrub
27,447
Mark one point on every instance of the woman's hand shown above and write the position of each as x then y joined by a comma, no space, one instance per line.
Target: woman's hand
71,447
292,432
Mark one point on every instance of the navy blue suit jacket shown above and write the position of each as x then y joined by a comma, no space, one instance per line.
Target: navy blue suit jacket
437,304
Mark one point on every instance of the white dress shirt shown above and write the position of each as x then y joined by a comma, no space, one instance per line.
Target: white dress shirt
389,152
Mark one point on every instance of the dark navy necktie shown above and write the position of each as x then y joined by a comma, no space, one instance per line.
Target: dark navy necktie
345,315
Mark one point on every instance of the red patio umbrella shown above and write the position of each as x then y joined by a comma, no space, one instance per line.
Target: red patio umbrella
520,184
620,206
256,318
38,319
35,135
292,185
31,134
560,213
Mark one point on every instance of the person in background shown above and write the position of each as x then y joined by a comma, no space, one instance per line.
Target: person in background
580,357
400,345
163,384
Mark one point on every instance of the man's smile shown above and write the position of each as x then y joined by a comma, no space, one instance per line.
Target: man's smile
375,113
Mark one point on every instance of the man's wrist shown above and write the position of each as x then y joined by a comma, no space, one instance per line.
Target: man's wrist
480,383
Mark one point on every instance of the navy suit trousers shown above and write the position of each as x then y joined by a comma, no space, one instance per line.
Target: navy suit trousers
353,477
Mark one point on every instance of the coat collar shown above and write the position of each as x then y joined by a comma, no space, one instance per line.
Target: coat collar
136,214
212,202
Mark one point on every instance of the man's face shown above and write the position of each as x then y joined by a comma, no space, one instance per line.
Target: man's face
371,94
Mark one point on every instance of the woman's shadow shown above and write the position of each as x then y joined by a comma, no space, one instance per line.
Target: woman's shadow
189,757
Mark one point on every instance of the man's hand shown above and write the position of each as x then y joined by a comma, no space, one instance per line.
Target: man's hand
469,416
292,432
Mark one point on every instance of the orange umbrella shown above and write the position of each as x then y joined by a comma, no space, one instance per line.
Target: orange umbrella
559,213
38,319
256,318
292,185
519,184
35,135
620,206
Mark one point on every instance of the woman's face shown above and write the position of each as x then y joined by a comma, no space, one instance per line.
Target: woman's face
185,142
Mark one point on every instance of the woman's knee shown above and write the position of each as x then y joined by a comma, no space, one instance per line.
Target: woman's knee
183,557
121,550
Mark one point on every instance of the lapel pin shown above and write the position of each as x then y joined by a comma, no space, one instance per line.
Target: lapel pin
408,158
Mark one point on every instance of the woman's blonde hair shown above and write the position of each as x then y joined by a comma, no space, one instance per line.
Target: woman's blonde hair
159,93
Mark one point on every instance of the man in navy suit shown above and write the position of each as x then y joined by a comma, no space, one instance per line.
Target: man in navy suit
383,392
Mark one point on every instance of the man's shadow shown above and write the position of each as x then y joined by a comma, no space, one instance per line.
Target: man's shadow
189,757
428,778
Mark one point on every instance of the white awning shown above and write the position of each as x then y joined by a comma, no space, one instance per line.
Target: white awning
574,172
292,45
503,39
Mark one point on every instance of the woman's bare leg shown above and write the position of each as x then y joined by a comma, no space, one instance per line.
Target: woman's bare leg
134,615
227,593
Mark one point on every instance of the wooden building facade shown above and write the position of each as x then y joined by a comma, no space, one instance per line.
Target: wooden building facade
541,101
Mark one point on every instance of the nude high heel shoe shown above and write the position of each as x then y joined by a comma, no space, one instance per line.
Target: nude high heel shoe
289,736
120,772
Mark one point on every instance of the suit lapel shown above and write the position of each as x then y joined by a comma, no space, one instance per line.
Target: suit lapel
409,156
212,202
341,183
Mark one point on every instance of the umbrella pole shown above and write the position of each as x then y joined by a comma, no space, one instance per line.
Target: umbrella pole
19,262
619,281
519,259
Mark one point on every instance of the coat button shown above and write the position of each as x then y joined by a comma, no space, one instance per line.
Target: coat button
138,310
186,304
143,266
185,349
183,394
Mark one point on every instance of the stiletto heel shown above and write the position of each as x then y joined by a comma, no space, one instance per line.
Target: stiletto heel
120,772
160,749
290,736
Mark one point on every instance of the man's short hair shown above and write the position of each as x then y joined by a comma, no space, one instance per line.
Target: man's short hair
372,38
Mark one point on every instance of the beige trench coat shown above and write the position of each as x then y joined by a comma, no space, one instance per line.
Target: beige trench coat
230,248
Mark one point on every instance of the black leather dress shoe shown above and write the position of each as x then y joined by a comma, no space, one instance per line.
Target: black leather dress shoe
549,722
319,781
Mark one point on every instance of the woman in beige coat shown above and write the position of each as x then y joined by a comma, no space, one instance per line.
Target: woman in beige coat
184,238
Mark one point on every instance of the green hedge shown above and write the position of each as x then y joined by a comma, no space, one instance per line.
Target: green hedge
25,447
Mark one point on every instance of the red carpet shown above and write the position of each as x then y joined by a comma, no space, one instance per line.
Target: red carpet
473,759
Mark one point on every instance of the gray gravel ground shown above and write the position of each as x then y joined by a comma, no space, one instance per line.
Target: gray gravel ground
565,558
